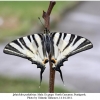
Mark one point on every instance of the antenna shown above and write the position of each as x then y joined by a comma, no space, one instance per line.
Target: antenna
41,21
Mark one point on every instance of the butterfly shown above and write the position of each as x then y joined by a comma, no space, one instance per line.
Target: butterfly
37,48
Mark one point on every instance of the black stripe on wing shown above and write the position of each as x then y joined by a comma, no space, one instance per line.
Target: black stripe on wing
64,36
59,39
13,51
29,38
16,42
70,41
82,47
24,44
78,37
33,36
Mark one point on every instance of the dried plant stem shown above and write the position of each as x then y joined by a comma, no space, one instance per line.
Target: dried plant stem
46,17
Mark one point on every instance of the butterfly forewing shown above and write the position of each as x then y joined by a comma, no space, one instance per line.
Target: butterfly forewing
66,45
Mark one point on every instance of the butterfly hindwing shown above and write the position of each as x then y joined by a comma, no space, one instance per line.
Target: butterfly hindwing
65,45
31,47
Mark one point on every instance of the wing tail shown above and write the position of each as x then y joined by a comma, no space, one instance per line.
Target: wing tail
59,70
41,72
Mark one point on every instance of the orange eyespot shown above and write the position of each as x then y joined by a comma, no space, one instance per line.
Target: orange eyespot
45,61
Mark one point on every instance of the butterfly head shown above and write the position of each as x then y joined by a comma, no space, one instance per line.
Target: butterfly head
46,31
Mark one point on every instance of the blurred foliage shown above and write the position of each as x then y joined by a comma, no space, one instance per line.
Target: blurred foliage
18,17
9,85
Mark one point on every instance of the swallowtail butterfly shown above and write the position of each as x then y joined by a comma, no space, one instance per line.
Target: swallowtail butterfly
37,48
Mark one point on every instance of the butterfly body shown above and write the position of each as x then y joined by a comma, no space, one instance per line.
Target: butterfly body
48,43
38,47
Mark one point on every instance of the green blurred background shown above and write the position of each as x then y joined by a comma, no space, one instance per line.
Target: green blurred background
17,18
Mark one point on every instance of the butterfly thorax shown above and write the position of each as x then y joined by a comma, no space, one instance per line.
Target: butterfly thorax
47,40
